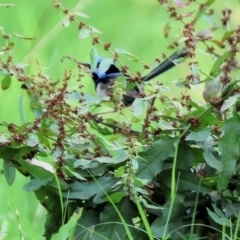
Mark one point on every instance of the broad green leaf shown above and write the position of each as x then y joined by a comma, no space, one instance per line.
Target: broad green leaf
232,209
3,139
187,181
117,197
100,196
85,190
65,231
21,111
208,120
43,139
164,125
73,173
105,65
204,7
217,43
7,5
138,107
208,18
227,35
229,102
212,88
66,22
85,228
6,82
81,14
9,171
219,220
93,29
84,33
113,230
229,148
186,156
123,51
53,221
13,152
94,58
150,162
121,157
36,184
212,161
166,29
216,68
176,221
119,172
23,37
200,136
36,106
218,211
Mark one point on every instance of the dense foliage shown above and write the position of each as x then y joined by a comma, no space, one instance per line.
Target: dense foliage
167,167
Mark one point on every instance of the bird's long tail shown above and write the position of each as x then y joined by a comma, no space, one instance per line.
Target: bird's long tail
166,64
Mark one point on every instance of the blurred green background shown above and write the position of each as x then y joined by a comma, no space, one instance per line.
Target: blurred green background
134,25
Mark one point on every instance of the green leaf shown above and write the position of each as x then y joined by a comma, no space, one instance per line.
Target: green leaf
6,82
3,139
9,171
66,23
81,14
13,152
212,88
7,5
203,8
219,220
186,156
65,231
212,161
113,230
93,29
176,221
150,161
229,102
84,33
119,172
85,226
123,51
227,35
36,184
85,190
166,29
218,211
105,65
121,157
200,136
94,58
117,197
21,111
187,181
37,169
208,18
43,139
229,148
216,68
138,107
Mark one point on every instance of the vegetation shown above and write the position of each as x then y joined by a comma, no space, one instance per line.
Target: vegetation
165,168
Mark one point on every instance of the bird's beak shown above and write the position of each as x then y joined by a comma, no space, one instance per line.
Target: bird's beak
86,67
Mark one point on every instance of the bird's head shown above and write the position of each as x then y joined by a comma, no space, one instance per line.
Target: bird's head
105,70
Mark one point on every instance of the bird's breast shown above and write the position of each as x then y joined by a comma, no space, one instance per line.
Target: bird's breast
103,89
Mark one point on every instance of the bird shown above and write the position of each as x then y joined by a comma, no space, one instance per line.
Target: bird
105,80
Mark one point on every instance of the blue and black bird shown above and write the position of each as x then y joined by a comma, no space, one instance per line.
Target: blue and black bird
105,80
